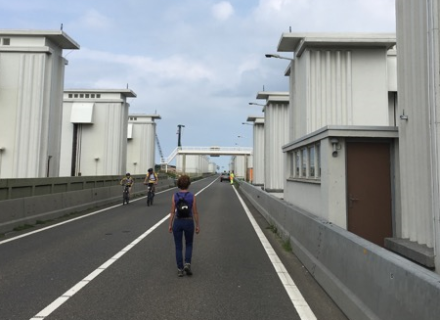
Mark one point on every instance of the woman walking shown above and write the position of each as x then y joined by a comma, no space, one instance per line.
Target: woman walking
184,220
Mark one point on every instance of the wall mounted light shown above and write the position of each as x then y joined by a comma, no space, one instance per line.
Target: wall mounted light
256,104
403,116
335,144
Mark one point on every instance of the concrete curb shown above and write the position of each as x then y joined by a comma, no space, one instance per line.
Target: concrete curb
365,280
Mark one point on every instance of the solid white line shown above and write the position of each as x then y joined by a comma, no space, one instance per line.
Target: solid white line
76,288
300,304
88,215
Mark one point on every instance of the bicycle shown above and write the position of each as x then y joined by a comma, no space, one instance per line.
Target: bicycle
150,194
126,195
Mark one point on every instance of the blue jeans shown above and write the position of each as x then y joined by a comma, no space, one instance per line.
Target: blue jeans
183,227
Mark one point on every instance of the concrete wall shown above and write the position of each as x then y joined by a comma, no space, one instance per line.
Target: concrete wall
365,280
51,201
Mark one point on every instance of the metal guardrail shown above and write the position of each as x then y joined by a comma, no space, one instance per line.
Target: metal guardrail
31,187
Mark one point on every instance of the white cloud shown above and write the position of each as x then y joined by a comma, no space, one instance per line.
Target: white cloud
171,68
94,19
222,10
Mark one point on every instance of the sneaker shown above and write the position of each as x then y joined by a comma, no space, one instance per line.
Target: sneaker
179,272
187,269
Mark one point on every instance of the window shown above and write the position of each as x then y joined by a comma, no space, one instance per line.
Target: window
305,162
75,95
297,163
312,161
81,95
98,95
318,160
93,96
291,164
70,95
87,96
6,41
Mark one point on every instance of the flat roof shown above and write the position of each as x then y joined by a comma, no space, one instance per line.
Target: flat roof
297,42
126,92
256,119
58,37
273,95
141,115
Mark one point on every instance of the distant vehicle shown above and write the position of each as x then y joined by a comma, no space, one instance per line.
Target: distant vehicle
224,177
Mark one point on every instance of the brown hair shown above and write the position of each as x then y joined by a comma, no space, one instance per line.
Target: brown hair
183,182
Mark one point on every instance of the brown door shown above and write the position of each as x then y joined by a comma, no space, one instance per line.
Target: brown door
369,190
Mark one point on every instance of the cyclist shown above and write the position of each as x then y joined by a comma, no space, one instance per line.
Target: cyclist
151,179
129,181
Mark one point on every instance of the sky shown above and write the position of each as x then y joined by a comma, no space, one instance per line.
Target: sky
196,63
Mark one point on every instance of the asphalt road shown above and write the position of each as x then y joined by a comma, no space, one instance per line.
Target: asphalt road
119,263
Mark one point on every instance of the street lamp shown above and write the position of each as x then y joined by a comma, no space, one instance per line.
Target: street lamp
277,56
256,104
248,123
179,132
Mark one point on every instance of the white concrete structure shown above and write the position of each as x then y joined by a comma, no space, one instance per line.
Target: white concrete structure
258,150
240,166
341,151
276,135
338,79
31,97
192,164
94,137
141,144
419,135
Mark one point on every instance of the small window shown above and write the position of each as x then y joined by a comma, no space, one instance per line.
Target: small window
75,95
87,96
304,163
70,95
81,95
98,95
297,163
93,96
312,161
292,164
6,41
318,160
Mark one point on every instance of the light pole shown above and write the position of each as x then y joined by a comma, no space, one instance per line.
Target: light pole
2,149
179,133
96,165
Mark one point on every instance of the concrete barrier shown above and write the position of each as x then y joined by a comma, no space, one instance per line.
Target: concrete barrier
365,280
30,210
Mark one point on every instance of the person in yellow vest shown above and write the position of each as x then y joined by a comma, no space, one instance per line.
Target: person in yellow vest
151,179
231,177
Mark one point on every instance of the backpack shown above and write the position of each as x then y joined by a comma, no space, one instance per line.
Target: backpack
182,207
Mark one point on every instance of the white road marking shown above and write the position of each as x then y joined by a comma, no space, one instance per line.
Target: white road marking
76,288
73,219
300,304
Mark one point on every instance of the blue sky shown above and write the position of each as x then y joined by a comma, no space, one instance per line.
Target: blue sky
194,62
